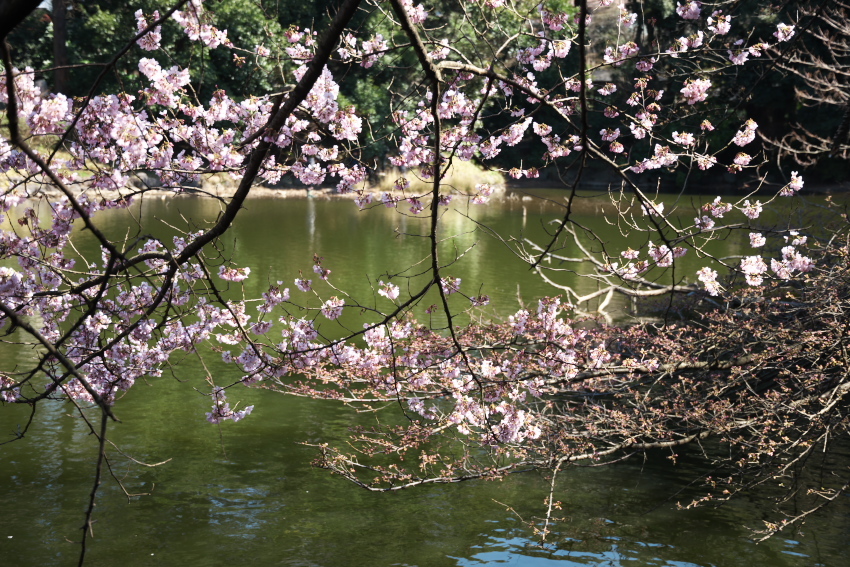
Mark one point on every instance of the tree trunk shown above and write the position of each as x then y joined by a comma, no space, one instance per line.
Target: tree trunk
61,76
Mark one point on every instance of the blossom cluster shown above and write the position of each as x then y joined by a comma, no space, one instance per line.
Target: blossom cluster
404,359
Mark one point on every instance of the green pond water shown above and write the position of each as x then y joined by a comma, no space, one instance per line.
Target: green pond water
245,493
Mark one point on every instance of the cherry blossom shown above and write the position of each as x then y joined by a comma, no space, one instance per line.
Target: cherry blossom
608,89
746,135
388,290
450,285
695,90
742,159
751,210
753,267
417,14
683,139
717,208
627,18
560,48
689,11
661,255
233,274
646,65
757,240
783,32
704,223
321,271
738,56
221,409
705,162
709,278
609,134
151,40
332,308
795,185
273,298
719,23
191,22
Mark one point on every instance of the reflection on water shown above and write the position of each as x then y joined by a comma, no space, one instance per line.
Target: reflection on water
245,493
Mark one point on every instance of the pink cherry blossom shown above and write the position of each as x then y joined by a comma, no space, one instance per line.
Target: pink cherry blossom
221,410
695,90
753,267
627,18
751,210
709,278
719,23
783,32
689,11
388,290
610,134
746,135
683,139
795,185
742,159
560,48
738,56
704,223
151,40
234,274
450,285
757,239
332,308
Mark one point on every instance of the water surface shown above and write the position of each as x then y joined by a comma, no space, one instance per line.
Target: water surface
245,493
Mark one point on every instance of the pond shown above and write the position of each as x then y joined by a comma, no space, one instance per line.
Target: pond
246,493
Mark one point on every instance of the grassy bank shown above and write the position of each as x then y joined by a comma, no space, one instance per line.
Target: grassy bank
462,176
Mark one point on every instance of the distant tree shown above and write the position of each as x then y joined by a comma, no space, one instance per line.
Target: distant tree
820,61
